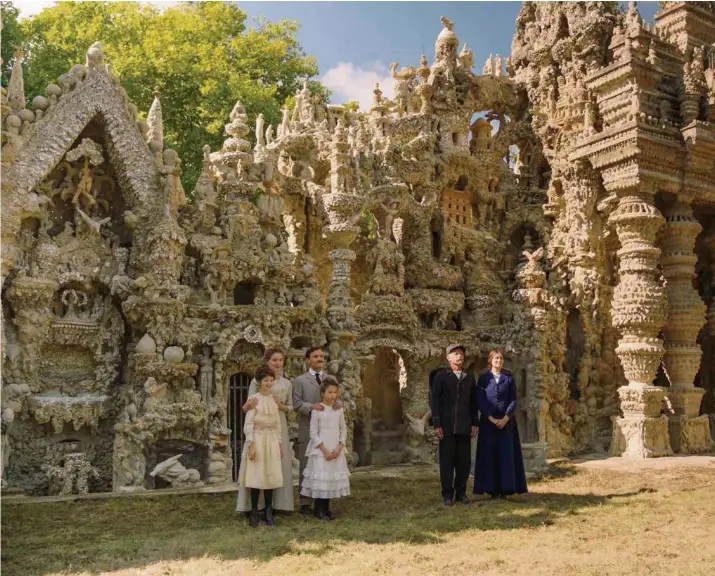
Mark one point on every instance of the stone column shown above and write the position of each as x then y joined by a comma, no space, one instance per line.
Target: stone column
639,313
689,432
531,293
340,313
31,299
342,336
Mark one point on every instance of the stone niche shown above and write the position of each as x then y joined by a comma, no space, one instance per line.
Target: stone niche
193,456
67,369
38,452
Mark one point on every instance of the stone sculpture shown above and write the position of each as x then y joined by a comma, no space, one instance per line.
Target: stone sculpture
73,476
176,474
132,317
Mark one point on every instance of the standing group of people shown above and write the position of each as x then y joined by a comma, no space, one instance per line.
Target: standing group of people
461,406
266,460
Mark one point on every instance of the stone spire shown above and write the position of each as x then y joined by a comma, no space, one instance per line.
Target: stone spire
16,85
423,72
466,58
445,47
155,134
237,129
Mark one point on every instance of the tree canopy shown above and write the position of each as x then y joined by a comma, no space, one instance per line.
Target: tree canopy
11,38
201,56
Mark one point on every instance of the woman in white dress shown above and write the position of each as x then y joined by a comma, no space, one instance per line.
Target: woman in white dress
261,469
326,476
282,392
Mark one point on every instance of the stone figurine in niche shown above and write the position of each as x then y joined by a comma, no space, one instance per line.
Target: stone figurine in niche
73,476
176,474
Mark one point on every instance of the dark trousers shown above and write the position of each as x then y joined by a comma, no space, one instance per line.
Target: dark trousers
455,461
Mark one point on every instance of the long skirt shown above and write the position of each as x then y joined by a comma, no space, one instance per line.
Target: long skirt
499,465
282,496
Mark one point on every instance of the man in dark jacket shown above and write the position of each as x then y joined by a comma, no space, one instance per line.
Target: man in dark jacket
454,417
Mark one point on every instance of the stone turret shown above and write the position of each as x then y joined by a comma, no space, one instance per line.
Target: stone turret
155,122
16,85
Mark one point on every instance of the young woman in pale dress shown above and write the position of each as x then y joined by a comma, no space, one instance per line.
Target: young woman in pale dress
261,468
326,475
282,392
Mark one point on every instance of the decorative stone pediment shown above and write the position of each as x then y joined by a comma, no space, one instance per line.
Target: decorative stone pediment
98,97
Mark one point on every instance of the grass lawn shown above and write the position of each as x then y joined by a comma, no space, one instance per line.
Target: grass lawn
575,522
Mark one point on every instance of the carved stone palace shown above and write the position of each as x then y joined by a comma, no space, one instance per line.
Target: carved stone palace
560,206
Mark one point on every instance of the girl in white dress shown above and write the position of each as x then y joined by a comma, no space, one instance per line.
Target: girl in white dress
261,460
282,392
326,476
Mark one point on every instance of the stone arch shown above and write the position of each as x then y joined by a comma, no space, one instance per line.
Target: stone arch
399,340
98,95
251,334
529,219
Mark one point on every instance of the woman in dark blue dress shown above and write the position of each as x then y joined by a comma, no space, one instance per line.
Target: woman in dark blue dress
499,466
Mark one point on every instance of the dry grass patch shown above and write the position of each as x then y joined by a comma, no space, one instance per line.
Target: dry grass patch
576,522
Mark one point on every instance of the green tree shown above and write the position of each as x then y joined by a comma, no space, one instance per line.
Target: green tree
201,56
352,106
11,38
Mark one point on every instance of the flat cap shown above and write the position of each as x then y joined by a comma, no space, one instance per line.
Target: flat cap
452,347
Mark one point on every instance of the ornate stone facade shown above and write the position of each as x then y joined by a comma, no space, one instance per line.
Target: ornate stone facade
626,109
558,209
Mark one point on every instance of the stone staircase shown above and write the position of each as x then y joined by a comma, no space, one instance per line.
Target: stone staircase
387,444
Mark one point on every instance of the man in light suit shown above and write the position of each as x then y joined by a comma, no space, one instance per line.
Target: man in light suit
306,398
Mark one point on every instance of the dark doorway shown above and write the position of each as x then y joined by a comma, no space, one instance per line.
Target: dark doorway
237,396
436,244
575,348
244,294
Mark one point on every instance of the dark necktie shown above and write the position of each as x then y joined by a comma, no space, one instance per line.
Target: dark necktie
317,377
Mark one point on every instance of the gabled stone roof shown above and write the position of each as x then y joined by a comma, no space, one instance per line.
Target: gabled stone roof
98,94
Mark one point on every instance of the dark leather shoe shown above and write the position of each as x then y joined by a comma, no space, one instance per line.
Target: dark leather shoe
463,500
253,519
305,510
269,517
328,515
448,502
318,510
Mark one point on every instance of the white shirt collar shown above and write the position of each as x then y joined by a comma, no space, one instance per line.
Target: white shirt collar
313,372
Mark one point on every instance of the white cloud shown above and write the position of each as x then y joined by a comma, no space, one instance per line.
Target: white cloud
349,82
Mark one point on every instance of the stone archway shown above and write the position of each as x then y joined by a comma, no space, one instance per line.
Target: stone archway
240,364
382,429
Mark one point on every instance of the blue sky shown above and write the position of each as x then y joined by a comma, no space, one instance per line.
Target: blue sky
355,42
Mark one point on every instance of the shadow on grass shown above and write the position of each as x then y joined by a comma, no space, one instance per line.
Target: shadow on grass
556,471
98,536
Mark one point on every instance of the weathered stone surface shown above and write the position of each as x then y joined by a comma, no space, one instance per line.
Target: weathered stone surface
558,207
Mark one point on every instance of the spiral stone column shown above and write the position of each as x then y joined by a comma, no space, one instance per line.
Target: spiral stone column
639,313
689,432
